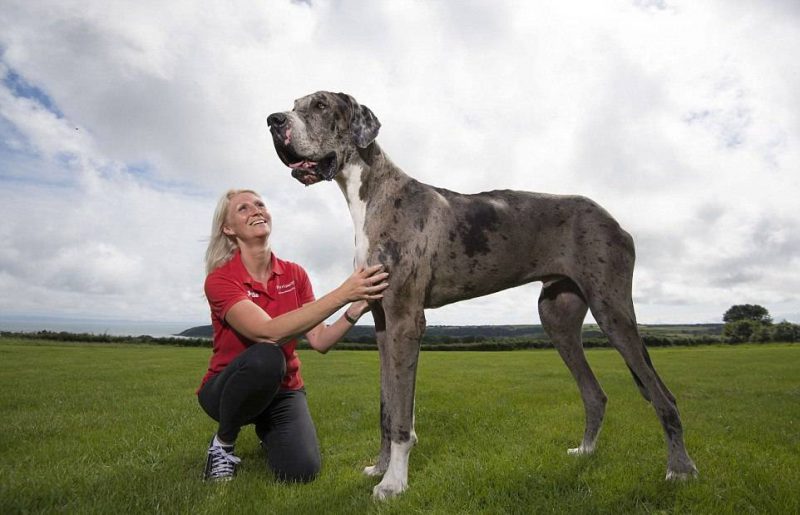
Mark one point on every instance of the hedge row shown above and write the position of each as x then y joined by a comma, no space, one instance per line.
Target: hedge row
63,336
486,345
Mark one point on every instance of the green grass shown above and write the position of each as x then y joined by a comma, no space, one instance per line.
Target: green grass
106,429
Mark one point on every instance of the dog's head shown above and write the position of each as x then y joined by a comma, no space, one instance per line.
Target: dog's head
318,136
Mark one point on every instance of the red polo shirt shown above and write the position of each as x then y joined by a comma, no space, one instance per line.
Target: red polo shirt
287,289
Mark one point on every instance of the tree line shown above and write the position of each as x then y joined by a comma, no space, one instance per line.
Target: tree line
753,323
742,323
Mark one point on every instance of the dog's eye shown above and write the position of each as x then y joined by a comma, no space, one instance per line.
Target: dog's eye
321,105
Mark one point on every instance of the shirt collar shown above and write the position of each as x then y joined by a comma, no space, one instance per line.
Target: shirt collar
275,262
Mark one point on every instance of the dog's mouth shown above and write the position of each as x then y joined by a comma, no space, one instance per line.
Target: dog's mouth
305,170
310,172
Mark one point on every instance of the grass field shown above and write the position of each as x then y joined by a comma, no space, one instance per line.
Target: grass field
108,429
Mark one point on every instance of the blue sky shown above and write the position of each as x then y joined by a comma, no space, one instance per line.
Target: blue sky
20,88
122,123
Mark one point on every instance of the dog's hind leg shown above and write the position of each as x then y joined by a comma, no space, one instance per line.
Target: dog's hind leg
617,319
562,309
399,357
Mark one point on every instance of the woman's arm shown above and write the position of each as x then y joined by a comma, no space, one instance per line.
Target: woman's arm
253,323
323,337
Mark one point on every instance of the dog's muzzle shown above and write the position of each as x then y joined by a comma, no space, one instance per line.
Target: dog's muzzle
307,171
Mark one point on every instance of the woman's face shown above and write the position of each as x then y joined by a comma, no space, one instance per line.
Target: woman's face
247,217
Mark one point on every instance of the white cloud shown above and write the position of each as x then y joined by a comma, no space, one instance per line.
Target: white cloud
679,117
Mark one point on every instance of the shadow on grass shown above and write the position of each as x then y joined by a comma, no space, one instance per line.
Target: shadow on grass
571,488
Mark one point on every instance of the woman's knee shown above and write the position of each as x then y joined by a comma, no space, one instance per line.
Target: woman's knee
302,469
266,361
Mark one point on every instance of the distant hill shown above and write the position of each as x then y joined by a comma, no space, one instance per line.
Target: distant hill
436,338
358,332
201,331
472,334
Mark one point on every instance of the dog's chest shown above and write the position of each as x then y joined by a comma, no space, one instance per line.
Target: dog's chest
358,210
361,240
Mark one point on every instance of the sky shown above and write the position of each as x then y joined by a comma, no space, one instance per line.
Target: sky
121,124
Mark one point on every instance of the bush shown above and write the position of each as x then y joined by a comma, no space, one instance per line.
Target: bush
740,330
786,332
761,333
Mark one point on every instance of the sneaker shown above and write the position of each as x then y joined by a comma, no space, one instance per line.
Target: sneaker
220,464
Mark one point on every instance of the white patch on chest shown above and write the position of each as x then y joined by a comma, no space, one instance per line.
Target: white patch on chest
358,210
441,198
498,203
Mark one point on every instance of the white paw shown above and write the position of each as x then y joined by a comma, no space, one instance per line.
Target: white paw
580,451
680,476
373,471
388,489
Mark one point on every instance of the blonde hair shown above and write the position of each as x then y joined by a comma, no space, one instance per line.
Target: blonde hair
221,246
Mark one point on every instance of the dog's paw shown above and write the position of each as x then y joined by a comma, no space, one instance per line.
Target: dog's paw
681,469
675,475
373,471
388,489
583,450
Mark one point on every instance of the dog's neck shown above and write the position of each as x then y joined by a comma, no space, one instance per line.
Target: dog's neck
366,171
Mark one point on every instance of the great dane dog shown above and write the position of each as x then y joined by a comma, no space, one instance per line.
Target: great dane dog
441,247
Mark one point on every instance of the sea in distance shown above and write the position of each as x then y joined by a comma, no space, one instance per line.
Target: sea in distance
112,327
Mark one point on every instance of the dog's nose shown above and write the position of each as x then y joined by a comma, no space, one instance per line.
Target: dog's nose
276,120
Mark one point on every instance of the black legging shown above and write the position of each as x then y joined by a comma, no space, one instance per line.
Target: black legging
248,391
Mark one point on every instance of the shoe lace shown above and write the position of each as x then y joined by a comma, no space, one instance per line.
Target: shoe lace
223,463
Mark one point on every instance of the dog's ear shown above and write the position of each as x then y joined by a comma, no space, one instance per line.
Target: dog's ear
364,125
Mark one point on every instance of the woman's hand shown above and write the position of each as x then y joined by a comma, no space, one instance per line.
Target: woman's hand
365,284
358,308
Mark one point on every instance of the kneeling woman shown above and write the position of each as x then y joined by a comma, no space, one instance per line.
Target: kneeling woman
259,305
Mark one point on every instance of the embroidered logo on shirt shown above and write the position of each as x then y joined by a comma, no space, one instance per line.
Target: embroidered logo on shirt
285,288
252,294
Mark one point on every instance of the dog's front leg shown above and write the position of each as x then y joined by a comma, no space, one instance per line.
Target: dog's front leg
399,356
382,463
